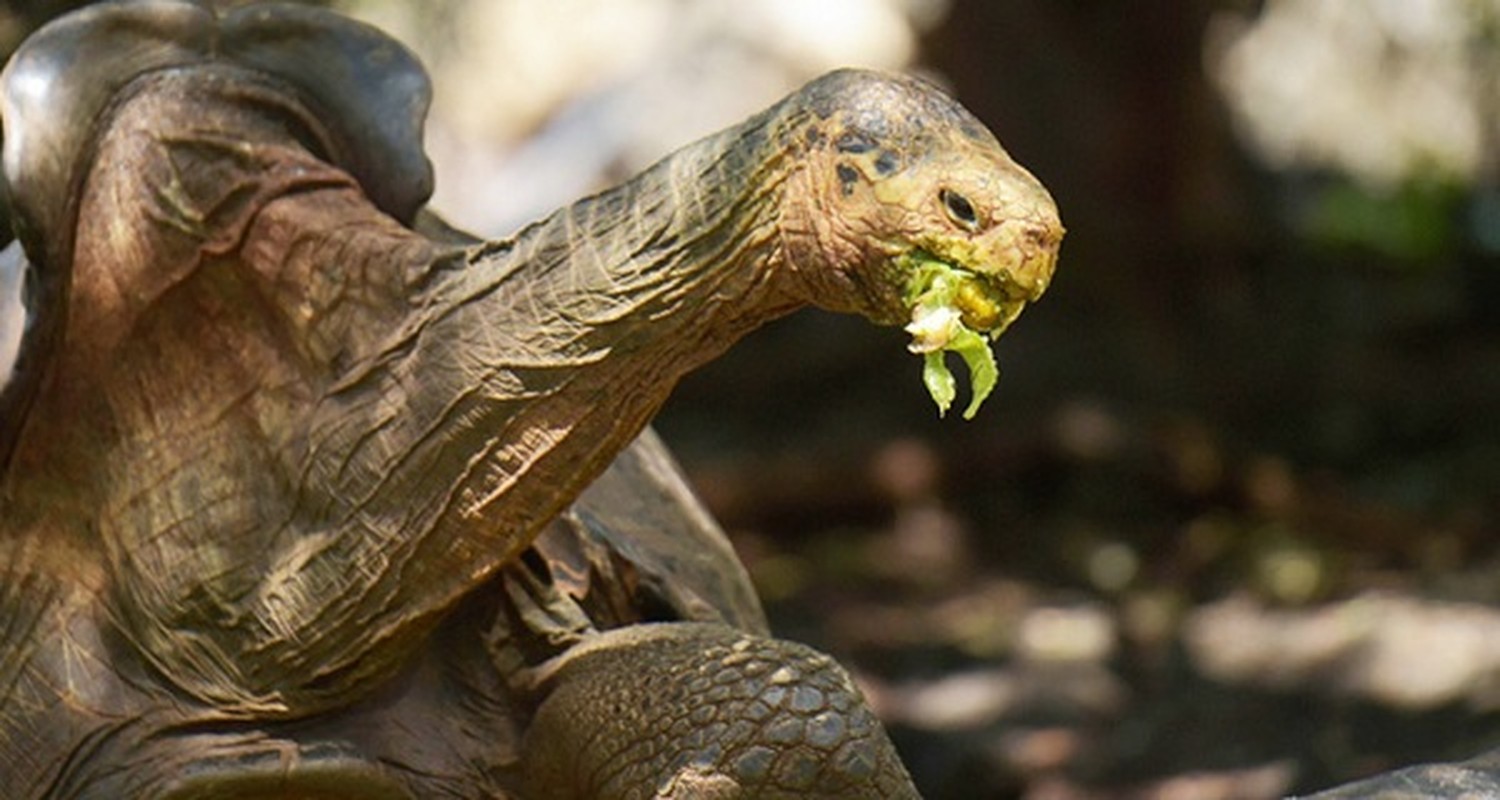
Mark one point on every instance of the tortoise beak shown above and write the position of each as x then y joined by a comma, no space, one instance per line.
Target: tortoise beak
1020,253
1040,242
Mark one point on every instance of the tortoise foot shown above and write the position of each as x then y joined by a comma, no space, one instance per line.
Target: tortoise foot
690,710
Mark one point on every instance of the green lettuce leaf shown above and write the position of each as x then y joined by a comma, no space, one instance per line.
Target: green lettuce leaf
937,329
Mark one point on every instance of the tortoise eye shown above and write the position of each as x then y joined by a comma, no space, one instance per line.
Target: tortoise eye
959,208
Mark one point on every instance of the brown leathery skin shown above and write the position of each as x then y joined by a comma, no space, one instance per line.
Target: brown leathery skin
685,710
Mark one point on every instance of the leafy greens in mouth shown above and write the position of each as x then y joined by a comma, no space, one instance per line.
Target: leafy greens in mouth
955,311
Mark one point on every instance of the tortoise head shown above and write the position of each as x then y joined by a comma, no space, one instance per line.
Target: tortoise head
897,175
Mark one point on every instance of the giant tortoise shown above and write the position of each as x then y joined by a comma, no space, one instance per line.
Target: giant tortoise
306,494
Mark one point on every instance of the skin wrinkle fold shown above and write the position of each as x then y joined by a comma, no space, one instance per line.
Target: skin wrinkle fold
346,245
337,608
500,437
444,421
566,363
515,470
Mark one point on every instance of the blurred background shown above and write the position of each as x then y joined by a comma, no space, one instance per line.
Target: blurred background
1228,526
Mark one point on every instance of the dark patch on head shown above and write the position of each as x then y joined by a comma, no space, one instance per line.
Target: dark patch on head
886,162
847,177
814,136
855,142
827,94
879,111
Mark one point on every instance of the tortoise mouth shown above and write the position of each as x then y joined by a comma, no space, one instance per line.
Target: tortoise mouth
958,310
984,302
988,303
267,769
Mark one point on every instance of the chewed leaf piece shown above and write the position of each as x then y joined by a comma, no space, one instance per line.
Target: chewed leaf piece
939,381
983,373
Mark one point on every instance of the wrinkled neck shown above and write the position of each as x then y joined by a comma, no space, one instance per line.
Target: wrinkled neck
689,246
561,342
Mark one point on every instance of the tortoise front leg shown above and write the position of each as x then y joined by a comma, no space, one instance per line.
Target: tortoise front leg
695,710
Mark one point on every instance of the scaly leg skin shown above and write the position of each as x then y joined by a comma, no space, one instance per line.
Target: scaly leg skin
674,711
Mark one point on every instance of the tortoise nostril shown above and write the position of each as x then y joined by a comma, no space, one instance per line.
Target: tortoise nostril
1043,235
1039,241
